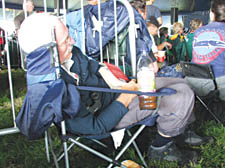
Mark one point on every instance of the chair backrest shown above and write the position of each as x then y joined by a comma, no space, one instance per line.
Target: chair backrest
203,71
48,99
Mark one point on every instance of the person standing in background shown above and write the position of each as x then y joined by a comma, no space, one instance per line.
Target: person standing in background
209,48
139,6
194,24
177,40
163,34
28,7
151,10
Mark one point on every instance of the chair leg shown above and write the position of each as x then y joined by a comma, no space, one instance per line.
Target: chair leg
138,151
113,162
46,146
128,144
66,154
52,150
210,111
63,127
63,153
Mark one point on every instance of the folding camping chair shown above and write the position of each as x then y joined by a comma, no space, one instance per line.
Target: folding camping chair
202,71
149,121
49,99
43,70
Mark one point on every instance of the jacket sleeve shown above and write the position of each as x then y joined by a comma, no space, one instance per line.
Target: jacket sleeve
89,124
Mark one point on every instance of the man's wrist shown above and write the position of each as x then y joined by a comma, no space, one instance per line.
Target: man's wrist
122,100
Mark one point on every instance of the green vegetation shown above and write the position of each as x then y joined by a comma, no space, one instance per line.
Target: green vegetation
16,151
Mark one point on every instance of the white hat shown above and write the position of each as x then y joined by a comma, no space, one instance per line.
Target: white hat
35,31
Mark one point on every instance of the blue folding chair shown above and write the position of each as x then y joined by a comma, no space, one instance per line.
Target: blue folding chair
50,99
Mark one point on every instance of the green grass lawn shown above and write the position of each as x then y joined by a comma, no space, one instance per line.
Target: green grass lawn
16,151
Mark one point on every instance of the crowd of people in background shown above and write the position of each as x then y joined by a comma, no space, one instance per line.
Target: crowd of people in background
173,40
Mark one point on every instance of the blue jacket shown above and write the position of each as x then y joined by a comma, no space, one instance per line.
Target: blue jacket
111,111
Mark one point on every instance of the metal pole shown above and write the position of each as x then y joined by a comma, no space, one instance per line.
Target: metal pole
83,30
63,125
64,11
45,6
132,29
116,36
25,8
100,30
57,5
9,66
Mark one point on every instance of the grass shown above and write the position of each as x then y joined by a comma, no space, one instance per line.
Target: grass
16,151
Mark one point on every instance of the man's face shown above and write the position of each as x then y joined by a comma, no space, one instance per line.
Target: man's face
64,41
30,6
152,29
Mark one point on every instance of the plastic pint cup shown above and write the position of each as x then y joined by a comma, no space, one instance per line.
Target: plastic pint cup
161,56
147,102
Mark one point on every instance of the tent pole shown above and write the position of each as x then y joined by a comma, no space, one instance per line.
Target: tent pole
45,6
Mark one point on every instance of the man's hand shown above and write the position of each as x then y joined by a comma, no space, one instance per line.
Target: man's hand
126,98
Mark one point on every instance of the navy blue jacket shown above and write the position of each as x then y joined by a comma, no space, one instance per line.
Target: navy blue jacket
111,111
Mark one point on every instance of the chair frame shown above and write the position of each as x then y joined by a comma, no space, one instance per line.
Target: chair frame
112,162
202,71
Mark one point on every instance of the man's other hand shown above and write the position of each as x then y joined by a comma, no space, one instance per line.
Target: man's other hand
126,98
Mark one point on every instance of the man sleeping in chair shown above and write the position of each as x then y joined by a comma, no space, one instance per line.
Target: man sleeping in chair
114,110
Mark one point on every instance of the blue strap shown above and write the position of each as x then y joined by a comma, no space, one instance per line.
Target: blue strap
34,79
160,92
